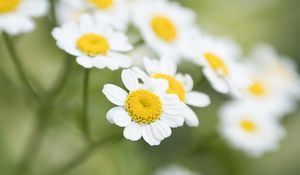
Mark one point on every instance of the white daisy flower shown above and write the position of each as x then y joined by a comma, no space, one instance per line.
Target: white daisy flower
218,57
261,91
280,69
109,12
146,110
180,85
16,15
93,44
164,26
249,129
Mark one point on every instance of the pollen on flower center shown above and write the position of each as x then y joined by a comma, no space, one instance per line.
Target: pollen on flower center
175,87
164,28
143,106
8,5
93,44
257,89
248,126
216,63
102,4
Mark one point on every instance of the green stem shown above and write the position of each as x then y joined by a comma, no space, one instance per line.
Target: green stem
35,140
85,100
16,59
53,12
85,154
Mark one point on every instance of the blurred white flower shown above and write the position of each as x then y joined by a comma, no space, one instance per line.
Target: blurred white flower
146,111
174,170
16,15
164,26
108,12
250,129
218,57
180,85
94,44
281,70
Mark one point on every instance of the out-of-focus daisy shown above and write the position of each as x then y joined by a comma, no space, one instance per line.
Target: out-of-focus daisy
174,170
16,15
111,12
218,57
164,26
147,110
281,70
262,91
179,84
249,129
93,44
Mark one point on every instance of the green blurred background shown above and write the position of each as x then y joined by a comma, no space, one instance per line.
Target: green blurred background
199,149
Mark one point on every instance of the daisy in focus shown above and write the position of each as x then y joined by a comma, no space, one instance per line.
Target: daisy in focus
93,44
249,129
16,15
180,85
164,26
218,57
147,111
109,12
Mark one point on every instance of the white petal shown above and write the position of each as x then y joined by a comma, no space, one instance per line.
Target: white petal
111,112
172,104
197,99
157,86
151,65
130,80
84,61
190,117
148,136
115,94
173,121
121,118
218,83
168,66
160,130
116,61
186,80
133,131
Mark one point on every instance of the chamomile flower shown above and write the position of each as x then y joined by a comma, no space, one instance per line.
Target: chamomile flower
180,85
109,12
249,129
16,15
147,111
94,44
218,57
280,69
164,26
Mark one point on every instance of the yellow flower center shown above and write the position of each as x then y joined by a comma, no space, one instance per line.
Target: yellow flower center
248,126
93,44
8,5
175,87
143,106
102,4
164,28
216,63
257,88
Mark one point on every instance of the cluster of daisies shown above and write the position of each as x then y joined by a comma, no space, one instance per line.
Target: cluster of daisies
116,34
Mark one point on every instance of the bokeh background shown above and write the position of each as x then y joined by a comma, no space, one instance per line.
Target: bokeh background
200,149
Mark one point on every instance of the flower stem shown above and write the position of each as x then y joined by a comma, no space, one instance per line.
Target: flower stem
16,59
85,100
85,154
53,12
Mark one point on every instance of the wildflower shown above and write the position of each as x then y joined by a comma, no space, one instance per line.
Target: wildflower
145,111
108,12
16,15
250,129
180,85
93,44
164,26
